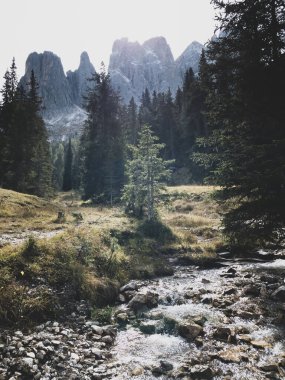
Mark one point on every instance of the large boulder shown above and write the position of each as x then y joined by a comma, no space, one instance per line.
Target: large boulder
189,329
143,301
279,293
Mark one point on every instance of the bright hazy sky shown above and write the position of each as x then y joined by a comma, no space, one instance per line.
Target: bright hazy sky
68,27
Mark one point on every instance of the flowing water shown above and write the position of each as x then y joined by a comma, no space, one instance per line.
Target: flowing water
135,353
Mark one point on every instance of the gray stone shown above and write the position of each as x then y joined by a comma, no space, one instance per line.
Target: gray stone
201,372
97,330
279,293
142,301
189,329
28,361
130,286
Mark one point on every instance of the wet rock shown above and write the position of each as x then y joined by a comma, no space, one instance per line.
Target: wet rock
155,315
163,368
251,290
279,293
207,299
166,366
143,301
130,286
260,344
189,329
97,330
269,279
247,314
148,327
230,291
122,318
107,339
232,355
269,367
129,294
157,371
199,319
201,372
230,273
245,338
222,333
137,371
109,330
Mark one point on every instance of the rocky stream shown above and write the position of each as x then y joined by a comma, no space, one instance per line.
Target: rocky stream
222,323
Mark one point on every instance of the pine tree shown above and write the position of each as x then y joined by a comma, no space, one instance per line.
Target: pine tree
102,143
146,110
38,173
131,125
190,108
25,159
57,156
246,118
147,173
68,163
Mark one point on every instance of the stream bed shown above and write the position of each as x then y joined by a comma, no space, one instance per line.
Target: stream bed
202,324
224,323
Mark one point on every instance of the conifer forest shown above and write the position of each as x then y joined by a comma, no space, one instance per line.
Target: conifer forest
142,208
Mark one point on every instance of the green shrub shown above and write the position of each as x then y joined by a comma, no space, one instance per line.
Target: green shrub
103,315
31,249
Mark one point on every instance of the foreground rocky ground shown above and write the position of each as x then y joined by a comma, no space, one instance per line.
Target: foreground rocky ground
231,320
225,323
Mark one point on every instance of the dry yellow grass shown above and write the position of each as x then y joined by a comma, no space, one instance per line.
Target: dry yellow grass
22,214
193,220
191,189
188,221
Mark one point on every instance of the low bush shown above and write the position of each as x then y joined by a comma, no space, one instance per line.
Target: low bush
102,315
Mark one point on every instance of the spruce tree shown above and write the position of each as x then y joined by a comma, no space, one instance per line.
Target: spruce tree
68,163
102,143
246,118
147,173
25,158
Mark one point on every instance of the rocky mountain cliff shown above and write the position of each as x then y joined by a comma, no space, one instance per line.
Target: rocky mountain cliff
79,79
54,88
133,67
62,95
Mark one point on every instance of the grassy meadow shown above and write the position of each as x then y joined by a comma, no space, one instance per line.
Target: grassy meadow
93,250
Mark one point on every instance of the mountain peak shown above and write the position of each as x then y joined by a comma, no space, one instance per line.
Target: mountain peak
53,86
189,58
160,47
84,58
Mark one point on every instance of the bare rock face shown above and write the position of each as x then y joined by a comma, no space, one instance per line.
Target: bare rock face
53,85
134,67
61,96
189,58
79,79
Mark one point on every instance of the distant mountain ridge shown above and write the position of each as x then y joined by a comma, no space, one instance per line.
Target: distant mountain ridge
133,67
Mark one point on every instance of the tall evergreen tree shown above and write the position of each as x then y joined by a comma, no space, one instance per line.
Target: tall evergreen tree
132,125
68,163
246,118
25,159
190,107
102,143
